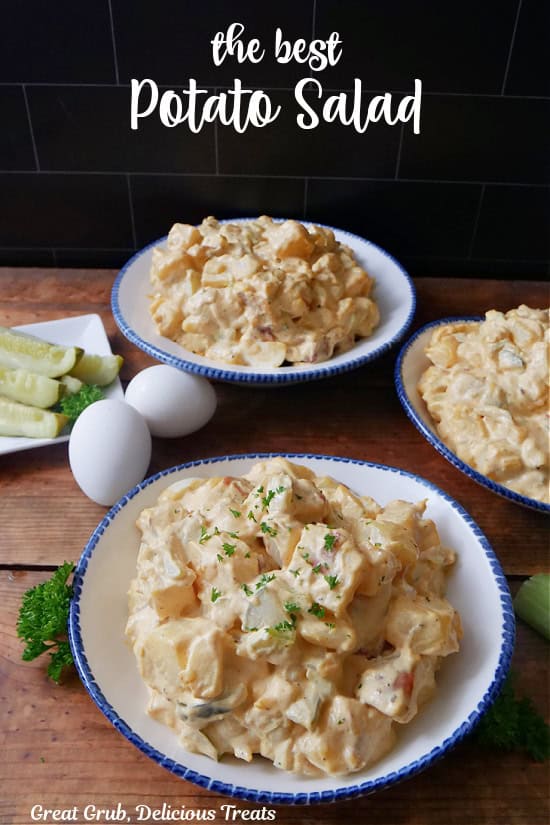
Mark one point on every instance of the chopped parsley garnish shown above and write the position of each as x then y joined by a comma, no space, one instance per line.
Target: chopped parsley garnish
233,535
305,556
216,531
266,501
282,629
330,625
215,594
295,573
247,555
265,528
228,549
219,557
234,513
317,610
291,607
332,581
205,535
259,490
248,591
264,579
317,568
251,515
282,626
330,538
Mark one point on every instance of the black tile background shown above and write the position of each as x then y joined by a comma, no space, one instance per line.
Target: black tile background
470,195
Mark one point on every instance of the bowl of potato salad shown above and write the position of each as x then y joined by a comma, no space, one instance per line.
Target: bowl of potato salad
263,300
271,631
477,389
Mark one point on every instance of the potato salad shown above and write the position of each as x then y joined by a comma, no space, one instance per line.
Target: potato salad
282,614
487,391
260,293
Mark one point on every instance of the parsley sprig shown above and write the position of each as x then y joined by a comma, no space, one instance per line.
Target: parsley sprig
42,622
514,724
73,405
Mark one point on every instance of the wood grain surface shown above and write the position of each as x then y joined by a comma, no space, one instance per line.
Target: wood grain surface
56,748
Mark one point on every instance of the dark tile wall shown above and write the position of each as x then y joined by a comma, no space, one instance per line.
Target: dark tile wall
470,195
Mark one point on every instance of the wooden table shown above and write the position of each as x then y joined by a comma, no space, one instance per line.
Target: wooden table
57,749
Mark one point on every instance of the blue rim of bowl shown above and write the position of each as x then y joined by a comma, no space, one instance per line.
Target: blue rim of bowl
507,631
242,377
435,441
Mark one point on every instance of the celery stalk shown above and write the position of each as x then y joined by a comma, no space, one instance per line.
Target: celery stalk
532,603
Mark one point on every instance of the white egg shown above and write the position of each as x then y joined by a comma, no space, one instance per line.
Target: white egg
109,450
173,403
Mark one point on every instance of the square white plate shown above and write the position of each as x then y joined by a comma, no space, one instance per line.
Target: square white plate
86,331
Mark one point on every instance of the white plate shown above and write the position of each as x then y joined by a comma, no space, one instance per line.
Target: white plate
411,363
394,294
86,331
467,681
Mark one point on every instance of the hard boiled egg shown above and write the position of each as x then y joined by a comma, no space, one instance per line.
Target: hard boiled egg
109,450
173,403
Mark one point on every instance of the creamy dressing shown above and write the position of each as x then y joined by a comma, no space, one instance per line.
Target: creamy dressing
487,391
281,614
260,293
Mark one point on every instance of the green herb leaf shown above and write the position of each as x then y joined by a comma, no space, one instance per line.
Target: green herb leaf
514,724
215,594
42,622
292,607
317,610
264,579
228,549
266,501
332,581
205,535
73,405
265,528
330,538
248,591
235,513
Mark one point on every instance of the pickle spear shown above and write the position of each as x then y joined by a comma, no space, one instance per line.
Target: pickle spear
21,420
21,351
71,385
97,369
30,387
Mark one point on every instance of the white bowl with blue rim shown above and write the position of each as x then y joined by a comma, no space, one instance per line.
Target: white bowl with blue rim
394,293
467,682
412,361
